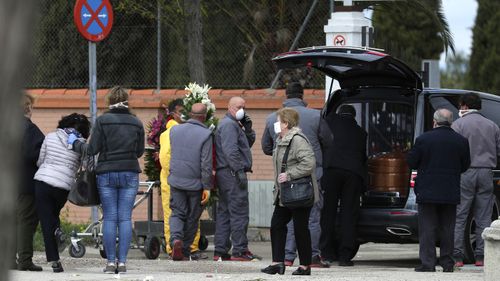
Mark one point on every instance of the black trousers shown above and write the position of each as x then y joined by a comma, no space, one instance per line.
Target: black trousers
281,217
49,202
436,221
343,185
26,223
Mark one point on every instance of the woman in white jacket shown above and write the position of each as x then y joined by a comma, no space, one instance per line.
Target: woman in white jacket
56,173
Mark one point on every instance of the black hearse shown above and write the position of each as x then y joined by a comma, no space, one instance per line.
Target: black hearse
394,108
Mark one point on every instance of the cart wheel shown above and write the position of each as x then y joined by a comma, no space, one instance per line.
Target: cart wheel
152,247
203,243
77,252
102,252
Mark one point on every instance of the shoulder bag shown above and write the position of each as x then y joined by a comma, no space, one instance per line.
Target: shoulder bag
297,193
84,190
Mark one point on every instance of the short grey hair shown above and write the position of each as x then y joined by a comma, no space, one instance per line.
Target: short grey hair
443,117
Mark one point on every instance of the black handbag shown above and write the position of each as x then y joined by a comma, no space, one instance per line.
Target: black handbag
297,193
84,189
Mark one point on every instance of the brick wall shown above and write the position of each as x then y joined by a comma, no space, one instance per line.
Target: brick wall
52,104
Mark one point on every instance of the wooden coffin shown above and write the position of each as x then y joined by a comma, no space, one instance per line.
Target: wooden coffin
388,172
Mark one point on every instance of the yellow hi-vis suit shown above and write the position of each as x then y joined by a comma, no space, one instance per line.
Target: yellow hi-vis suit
165,188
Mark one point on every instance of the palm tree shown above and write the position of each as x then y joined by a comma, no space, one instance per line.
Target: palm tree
412,30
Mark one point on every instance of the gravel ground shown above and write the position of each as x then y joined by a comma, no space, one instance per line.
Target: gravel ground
373,262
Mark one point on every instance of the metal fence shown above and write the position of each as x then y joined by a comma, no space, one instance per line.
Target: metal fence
239,42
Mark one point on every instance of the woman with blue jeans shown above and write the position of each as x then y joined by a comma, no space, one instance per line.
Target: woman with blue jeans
118,138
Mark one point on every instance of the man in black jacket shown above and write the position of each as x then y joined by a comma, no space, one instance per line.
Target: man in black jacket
27,219
343,179
440,156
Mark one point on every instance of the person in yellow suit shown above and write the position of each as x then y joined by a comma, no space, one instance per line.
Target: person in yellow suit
175,110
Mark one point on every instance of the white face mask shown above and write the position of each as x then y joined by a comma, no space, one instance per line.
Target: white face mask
462,112
240,114
277,127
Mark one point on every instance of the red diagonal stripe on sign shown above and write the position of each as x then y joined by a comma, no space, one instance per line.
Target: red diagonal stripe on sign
94,15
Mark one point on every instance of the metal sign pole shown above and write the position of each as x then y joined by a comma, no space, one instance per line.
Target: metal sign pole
158,50
93,97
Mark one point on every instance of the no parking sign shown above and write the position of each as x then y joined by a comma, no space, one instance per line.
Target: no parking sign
93,19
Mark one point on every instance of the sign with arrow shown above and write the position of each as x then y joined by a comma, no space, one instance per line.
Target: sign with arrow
93,19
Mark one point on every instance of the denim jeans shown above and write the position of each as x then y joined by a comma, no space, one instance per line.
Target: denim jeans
117,191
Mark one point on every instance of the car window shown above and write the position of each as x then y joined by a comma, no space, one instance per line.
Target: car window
437,102
491,110
389,125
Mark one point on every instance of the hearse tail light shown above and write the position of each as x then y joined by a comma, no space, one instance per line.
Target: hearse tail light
376,53
412,179
290,53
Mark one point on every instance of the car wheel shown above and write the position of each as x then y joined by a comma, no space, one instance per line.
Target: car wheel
470,232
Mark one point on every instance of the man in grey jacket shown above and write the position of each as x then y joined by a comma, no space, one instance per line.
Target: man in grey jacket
476,184
190,173
234,160
319,135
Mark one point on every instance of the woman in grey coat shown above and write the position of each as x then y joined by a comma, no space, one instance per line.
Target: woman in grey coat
57,166
300,163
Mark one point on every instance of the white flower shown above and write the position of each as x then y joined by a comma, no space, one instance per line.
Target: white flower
211,106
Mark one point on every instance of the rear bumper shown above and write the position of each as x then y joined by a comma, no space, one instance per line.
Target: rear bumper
388,225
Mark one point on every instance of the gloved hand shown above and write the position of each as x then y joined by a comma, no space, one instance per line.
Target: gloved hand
247,123
242,179
72,138
205,196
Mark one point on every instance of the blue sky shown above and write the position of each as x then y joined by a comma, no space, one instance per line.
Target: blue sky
460,15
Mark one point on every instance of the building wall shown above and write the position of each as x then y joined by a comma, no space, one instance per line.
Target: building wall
51,105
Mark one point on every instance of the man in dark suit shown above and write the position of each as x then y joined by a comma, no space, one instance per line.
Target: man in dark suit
440,156
343,179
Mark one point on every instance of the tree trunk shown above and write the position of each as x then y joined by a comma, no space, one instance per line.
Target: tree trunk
194,38
16,21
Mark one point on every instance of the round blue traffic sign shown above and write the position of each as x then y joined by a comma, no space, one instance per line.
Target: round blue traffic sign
93,18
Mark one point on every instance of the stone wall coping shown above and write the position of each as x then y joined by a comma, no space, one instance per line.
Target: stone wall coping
149,98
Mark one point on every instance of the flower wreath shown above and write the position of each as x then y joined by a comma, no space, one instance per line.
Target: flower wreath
198,94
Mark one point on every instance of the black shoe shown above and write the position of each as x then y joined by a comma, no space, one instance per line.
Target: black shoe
29,267
301,271
274,268
60,240
326,262
57,266
448,269
422,268
122,268
317,262
110,268
198,255
221,256
346,263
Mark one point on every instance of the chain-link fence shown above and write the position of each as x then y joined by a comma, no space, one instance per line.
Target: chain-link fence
239,39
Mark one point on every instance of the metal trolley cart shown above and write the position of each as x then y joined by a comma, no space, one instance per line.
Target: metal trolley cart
145,240
147,235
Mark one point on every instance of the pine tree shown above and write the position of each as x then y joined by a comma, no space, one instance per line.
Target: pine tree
485,55
411,32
